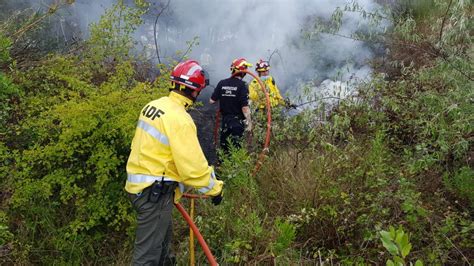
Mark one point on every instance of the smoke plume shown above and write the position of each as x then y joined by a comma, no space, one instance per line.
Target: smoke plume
254,29
267,30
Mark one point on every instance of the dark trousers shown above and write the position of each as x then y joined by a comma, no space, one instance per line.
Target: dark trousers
232,131
154,229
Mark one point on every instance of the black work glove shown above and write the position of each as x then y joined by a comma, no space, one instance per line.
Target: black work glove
216,200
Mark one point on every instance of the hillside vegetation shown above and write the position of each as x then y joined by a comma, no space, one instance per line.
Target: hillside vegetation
384,177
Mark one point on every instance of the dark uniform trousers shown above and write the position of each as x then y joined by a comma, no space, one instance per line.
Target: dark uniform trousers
232,131
154,228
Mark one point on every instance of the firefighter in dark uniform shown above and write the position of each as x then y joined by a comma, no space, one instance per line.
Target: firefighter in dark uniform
233,96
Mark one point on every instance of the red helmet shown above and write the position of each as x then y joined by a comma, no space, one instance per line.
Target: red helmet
190,74
239,65
262,66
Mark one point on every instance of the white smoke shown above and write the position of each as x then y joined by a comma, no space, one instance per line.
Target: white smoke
253,29
256,29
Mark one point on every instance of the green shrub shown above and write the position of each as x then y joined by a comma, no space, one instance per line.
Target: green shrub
5,45
286,235
8,92
398,244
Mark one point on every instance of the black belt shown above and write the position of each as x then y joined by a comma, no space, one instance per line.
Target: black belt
159,188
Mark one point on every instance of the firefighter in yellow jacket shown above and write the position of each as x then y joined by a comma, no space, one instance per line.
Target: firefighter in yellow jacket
256,94
166,158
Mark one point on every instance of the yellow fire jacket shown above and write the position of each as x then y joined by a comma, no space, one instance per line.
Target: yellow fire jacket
257,96
166,146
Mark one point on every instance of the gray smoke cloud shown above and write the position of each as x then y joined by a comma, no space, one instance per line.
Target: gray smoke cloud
259,29
253,29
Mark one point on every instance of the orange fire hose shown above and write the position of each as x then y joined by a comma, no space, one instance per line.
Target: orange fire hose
266,144
192,259
210,258
261,156
194,196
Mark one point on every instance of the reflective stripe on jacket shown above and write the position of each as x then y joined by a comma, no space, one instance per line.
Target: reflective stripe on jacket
166,147
258,98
